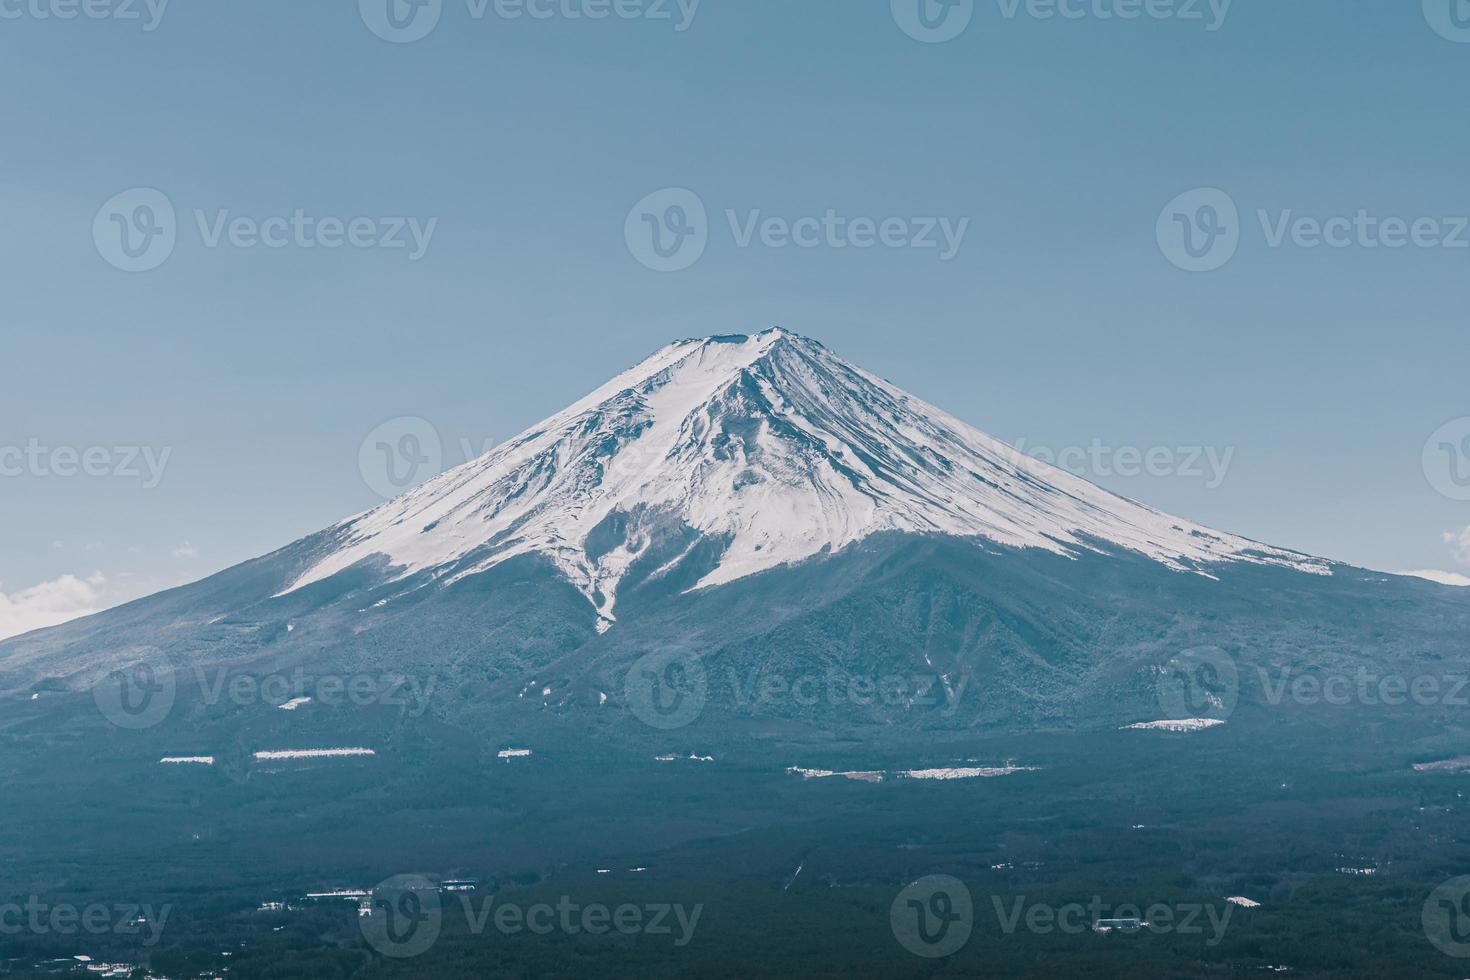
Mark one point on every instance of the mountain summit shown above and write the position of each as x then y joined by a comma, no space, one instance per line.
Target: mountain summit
732,455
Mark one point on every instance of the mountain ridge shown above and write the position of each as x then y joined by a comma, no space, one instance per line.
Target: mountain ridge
768,448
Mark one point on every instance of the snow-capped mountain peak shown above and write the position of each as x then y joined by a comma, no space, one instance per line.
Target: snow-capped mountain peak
771,449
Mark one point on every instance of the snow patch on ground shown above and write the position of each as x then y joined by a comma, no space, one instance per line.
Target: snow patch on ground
1457,764
1176,725
287,754
983,772
865,777
946,773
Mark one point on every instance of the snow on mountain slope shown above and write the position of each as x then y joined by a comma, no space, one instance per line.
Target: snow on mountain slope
771,444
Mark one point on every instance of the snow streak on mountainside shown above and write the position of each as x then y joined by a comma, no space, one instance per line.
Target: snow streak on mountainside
773,449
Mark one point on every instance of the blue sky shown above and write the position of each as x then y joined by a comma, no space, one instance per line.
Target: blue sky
495,272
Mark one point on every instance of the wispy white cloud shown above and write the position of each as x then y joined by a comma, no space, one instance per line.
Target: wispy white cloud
49,603
1459,542
185,551
1443,578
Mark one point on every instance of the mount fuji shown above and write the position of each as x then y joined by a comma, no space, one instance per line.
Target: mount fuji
761,504
746,453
